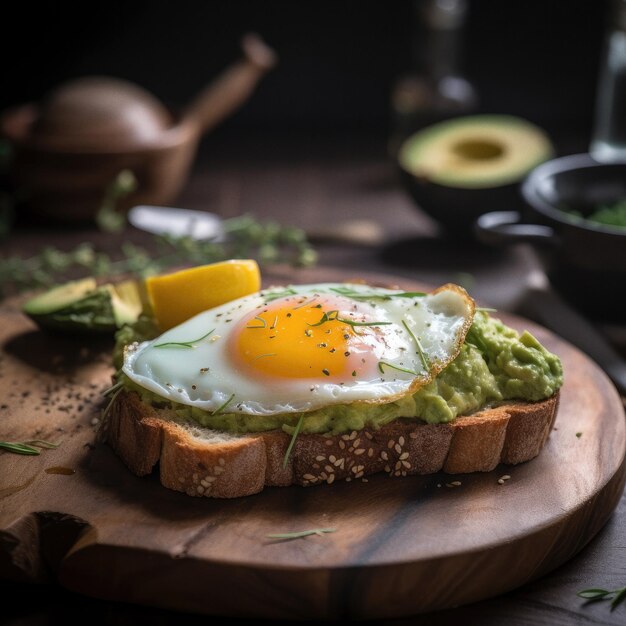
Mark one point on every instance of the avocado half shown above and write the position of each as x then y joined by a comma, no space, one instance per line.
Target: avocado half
83,306
461,168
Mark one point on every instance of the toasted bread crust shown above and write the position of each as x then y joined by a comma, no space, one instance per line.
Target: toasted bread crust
243,465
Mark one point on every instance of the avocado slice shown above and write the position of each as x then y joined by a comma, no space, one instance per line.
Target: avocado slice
475,152
83,306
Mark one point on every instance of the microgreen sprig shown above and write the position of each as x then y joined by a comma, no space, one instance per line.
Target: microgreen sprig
183,344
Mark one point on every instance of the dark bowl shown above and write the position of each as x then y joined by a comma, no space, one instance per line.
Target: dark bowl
584,260
455,208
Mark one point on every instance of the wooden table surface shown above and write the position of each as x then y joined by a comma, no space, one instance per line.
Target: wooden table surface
334,186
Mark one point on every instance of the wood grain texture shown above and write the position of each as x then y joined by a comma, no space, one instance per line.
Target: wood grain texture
402,545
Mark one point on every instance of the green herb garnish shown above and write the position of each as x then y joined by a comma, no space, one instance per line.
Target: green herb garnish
263,322
334,316
293,440
282,293
28,448
183,344
220,409
420,350
395,367
261,356
617,596
245,237
113,388
353,294
302,533
107,409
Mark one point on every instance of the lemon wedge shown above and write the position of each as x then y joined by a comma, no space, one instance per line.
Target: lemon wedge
178,296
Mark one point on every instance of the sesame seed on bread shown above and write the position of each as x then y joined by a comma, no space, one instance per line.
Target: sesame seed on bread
204,462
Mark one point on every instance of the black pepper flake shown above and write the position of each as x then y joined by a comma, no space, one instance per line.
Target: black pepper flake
346,354
288,314
219,314
328,331
362,360
228,320
204,370
308,333
317,306
353,372
193,387
322,345
179,390
333,350
325,372
346,336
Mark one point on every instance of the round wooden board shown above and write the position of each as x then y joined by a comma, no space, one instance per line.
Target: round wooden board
402,546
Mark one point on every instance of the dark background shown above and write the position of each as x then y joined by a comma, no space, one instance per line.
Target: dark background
338,59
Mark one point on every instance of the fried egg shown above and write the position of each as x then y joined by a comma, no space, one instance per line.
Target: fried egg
304,347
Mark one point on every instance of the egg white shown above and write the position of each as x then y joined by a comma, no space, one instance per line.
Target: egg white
186,366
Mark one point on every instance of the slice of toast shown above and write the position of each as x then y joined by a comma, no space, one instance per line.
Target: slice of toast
204,462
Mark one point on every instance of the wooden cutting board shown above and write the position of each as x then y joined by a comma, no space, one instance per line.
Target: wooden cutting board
401,546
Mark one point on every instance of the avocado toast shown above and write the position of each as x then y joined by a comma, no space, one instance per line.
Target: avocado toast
491,398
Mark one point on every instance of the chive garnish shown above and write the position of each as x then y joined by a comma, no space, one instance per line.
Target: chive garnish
301,533
394,367
183,344
27,448
420,350
334,316
113,388
263,322
275,295
293,440
372,295
221,408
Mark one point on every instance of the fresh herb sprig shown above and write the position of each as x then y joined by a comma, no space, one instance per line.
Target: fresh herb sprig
183,344
353,294
245,237
28,448
383,364
296,432
220,409
418,344
334,316
302,533
617,596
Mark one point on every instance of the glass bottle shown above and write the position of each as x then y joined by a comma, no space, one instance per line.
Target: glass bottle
434,89
609,135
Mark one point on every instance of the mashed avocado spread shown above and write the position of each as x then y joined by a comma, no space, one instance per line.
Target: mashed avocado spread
495,364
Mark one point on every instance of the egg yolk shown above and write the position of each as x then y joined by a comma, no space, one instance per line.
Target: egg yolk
306,337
